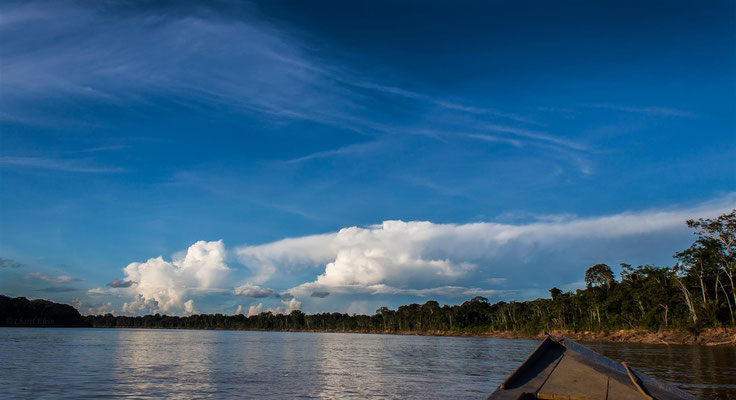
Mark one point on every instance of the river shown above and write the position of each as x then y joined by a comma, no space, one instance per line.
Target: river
49,363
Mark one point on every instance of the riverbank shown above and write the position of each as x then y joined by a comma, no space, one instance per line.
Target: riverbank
706,337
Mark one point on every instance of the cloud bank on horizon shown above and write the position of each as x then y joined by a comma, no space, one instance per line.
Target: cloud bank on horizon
409,260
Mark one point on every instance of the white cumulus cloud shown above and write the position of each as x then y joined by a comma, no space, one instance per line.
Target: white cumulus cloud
161,285
255,310
413,259
422,258
250,290
287,306
189,307
266,260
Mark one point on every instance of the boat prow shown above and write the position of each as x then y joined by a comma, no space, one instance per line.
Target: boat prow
562,369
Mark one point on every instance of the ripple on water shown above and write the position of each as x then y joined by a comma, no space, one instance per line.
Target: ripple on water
128,363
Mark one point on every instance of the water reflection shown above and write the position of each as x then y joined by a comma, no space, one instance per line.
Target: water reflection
159,363
707,372
99,363
359,366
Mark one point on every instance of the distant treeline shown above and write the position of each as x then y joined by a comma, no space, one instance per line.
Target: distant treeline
697,292
20,311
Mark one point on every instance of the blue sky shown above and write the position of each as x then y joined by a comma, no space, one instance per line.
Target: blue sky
404,150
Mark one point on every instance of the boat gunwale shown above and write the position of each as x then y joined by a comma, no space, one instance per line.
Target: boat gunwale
600,363
536,354
646,380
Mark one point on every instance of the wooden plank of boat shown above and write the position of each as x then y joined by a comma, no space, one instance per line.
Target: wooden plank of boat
562,369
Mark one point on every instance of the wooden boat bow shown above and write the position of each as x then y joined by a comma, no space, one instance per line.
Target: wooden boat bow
562,369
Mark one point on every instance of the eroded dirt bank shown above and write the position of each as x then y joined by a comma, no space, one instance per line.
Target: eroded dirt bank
706,337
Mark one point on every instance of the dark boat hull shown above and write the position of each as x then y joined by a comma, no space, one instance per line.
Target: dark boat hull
562,369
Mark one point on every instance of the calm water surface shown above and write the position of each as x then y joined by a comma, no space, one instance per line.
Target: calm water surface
128,363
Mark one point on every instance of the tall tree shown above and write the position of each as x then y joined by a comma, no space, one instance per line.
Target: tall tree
714,253
599,275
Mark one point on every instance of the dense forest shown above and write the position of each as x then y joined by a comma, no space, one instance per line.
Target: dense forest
20,311
696,292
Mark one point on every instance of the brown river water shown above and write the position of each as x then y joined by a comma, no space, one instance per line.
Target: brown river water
37,363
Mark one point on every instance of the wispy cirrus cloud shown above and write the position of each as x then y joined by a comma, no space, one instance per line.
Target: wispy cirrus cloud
9,263
59,289
349,150
440,102
51,278
98,149
57,164
537,136
494,139
96,54
650,110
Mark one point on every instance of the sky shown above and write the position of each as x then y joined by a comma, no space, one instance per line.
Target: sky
238,157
